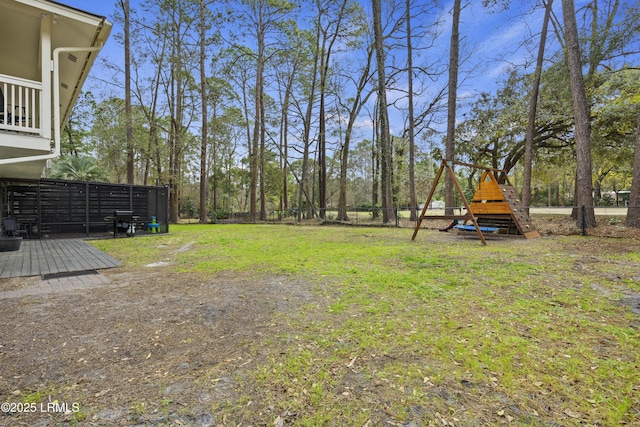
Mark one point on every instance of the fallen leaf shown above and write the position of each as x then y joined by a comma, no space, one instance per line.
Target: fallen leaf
279,422
102,393
572,414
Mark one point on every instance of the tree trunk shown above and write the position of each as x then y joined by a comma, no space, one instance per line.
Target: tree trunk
584,183
255,151
412,147
173,135
533,105
342,192
388,213
263,130
153,129
322,125
307,136
284,144
375,165
633,211
176,102
322,137
127,91
213,162
450,148
203,94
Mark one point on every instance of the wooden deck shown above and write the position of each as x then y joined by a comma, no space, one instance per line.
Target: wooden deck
51,256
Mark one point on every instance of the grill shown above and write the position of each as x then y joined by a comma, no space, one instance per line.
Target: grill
123,222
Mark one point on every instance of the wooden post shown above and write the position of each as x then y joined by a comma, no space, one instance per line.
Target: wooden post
467,217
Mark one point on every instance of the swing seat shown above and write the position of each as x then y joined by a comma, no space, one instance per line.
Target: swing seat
472,228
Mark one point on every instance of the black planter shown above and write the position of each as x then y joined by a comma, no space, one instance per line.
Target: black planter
10,243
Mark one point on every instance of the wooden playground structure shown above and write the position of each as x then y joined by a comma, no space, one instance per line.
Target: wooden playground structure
495,208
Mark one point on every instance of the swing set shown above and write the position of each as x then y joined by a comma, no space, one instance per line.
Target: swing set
495,208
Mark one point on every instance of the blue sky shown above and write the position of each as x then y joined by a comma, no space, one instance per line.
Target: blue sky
492,39
489,35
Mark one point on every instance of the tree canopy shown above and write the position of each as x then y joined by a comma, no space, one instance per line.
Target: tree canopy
268,105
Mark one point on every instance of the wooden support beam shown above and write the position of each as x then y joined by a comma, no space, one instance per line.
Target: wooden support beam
448,166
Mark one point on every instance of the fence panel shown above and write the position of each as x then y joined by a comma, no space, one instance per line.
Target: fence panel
58,207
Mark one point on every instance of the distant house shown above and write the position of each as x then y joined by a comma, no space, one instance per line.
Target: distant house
622,197
46,53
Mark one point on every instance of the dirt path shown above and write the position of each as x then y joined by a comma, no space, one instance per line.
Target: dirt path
135,347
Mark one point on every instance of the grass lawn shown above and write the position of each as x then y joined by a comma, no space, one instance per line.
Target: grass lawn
440,331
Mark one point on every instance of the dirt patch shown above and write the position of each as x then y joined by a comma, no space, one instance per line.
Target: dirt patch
148,347
605,227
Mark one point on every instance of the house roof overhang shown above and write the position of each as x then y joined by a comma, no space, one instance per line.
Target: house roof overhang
21,56
20,23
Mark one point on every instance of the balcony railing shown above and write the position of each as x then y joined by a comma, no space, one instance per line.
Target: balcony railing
20,105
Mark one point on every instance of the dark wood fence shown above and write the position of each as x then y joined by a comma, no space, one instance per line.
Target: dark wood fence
56,207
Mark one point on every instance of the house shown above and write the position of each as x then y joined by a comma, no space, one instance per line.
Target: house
46,54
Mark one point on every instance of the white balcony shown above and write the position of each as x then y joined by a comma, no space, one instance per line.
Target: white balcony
20,101
21,127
